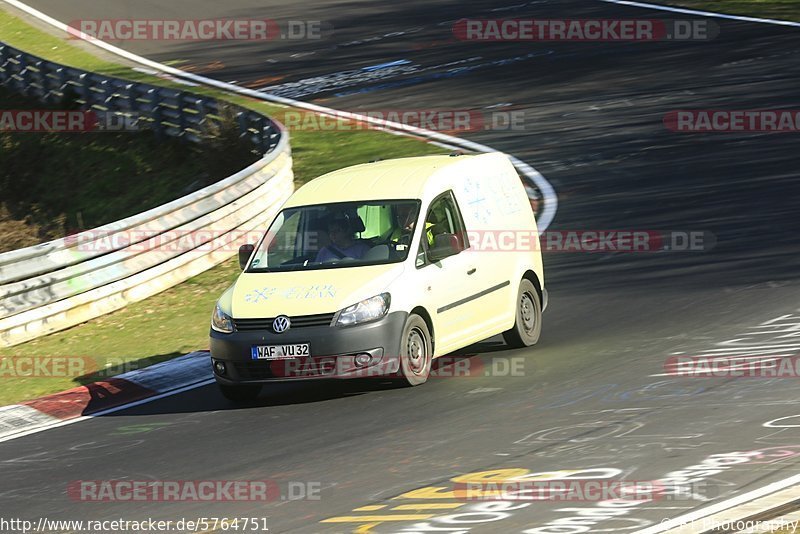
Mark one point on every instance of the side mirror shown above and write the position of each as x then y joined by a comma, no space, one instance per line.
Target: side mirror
245,251
444,245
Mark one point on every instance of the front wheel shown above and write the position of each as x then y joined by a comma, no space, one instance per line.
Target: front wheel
241,393
416,351
528,324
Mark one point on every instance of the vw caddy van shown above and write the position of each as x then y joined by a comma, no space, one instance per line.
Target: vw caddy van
377,269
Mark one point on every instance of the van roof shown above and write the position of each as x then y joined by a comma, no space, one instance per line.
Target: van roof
396,178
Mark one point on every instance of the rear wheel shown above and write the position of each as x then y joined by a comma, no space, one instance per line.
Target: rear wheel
416,351
240,393
528,324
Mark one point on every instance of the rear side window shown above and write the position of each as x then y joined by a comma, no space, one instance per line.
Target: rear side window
378,220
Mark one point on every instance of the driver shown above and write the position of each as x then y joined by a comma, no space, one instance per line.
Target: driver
343,243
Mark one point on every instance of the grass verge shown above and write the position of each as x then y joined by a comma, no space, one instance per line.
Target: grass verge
175,321
771,9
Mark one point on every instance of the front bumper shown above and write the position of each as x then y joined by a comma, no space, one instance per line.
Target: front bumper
333,351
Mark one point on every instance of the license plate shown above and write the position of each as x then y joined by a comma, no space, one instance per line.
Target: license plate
280,352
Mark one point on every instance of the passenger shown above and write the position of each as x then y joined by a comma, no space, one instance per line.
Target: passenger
343,243
404,224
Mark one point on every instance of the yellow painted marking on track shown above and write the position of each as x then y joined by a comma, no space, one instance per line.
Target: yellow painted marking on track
430,506
370,508
373,518
365,529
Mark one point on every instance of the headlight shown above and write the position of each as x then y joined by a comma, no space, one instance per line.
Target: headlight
365,311
221,322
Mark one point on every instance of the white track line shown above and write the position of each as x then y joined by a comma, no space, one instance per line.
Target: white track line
108,411
548,193
721,506
702,13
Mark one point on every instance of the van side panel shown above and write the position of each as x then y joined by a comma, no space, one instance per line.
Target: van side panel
503,245
524,233
503,239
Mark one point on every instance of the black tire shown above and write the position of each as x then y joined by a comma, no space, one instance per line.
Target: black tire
528,324
241,393
416,351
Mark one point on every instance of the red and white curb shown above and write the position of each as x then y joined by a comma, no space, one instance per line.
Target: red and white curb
106,396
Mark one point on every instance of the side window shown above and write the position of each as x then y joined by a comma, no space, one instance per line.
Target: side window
443,218
377,220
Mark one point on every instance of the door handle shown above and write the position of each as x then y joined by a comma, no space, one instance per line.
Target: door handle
472,271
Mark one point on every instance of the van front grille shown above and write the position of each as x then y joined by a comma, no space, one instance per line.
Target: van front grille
300,321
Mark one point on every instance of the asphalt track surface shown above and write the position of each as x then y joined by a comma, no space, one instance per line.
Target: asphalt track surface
590,395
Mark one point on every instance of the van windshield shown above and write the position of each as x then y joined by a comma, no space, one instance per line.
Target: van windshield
344,234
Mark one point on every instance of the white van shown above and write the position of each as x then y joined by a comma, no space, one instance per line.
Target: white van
375,270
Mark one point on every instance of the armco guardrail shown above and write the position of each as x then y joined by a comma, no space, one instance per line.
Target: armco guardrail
61,283
165,111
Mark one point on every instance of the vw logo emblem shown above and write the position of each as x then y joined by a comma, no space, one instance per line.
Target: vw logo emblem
281,324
